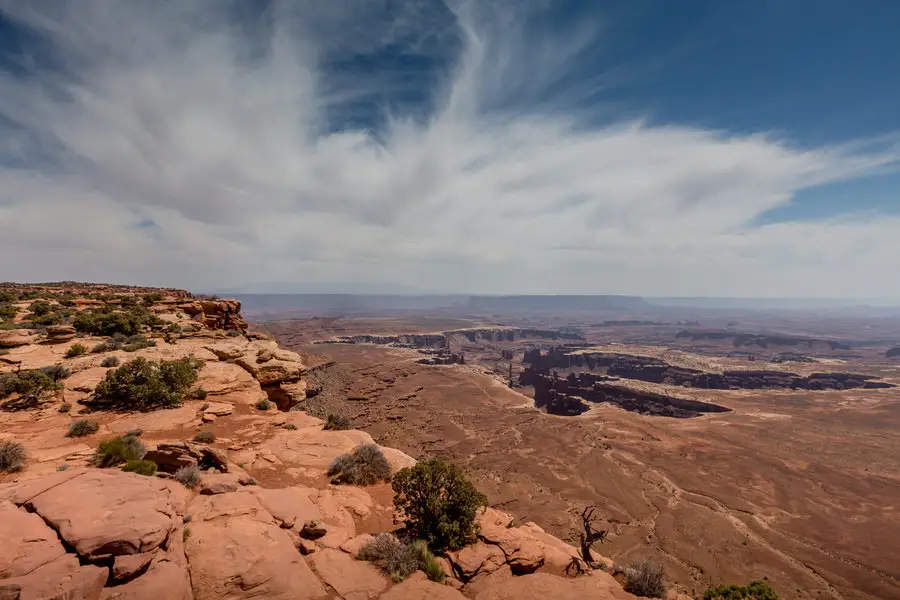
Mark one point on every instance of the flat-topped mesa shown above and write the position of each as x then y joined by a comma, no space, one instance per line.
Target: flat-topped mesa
569,396
654,370
761,340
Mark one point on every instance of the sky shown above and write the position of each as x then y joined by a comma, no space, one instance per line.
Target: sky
689,148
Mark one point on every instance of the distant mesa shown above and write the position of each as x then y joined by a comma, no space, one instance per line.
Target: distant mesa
442,340
654,370
754,339
893,352
569,396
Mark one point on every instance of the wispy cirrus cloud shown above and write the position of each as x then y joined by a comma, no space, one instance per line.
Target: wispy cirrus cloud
199,144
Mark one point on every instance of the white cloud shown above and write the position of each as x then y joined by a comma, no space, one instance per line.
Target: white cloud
223,140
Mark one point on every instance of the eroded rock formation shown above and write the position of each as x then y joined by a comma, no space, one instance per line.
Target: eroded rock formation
569,396
654,370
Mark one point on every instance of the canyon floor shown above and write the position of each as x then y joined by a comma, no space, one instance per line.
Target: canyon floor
797,486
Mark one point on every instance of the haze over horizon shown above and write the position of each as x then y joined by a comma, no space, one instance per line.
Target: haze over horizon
530,147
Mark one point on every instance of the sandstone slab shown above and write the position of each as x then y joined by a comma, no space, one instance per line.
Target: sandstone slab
237,550
352,579
417,587
101,513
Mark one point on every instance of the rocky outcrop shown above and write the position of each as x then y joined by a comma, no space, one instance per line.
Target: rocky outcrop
105,534
13,338
57,334
442,356
216,314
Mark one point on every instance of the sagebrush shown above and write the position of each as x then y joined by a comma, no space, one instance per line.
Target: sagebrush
365,465
645,578
205,437
399,559
188,476
12,456
82,428
337,422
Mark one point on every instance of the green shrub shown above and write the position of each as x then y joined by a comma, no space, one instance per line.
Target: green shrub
76,350
365,465
263,404
151,299
188,476
335,422
439,504
205,437
129,321
645,578
31,385
8,311
199,394
50,318
82,428
110,361
65,407
141,467
290,426
144,385
12,456
755,590
119,450
39,307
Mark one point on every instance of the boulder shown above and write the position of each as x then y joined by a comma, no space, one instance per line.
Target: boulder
477,558
57,334
13,338
172,456
313,530
128,566
352,579
218,409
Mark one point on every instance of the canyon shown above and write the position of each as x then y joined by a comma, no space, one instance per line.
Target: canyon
722,465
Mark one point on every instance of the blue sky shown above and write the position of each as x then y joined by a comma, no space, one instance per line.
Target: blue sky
536,146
